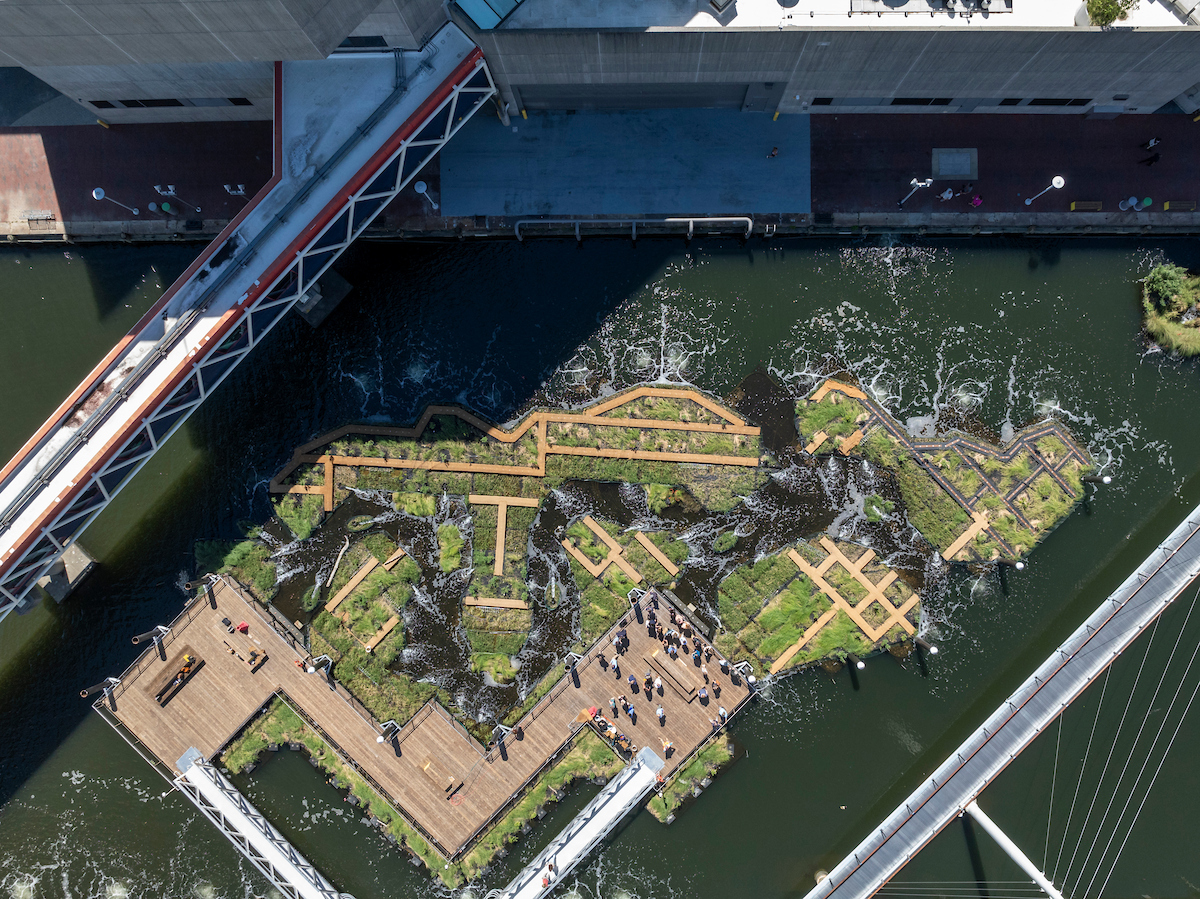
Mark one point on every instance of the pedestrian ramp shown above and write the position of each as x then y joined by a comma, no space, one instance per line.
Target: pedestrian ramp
623,794
251,833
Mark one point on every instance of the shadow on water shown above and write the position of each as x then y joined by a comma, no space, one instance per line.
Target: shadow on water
444,329
114,271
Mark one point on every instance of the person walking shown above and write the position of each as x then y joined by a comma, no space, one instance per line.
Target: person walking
614,667
977,201
658,688
612,704
1151,144
633,687
947,194
662,716
704,672
722,714
716,688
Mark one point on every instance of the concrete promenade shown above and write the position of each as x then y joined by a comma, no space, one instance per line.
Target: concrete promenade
1169,571
835,174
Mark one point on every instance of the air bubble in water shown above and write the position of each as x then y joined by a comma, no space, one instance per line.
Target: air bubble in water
204,890
23,889
116,890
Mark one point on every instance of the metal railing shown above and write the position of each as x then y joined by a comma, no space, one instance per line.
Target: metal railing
348,760
143,661
690,220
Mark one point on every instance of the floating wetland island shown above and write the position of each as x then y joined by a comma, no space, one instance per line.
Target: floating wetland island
456,620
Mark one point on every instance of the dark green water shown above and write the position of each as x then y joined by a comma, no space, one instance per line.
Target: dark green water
1008,330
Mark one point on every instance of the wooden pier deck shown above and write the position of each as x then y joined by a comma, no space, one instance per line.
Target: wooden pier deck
434,771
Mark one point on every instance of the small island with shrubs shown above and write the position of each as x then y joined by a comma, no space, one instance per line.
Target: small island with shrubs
1171,309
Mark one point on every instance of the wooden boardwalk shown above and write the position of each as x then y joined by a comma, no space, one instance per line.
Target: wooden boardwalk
441,778
536,423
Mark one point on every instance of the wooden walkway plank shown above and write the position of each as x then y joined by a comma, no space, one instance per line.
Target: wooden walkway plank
380,634
494,603
979,522
501,525
649,546
225,692
366,568
536,420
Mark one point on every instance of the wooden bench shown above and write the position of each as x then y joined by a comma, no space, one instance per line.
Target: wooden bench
163,687
674,673
1087,206
1179,206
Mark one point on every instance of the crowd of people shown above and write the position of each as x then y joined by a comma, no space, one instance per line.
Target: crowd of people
677,635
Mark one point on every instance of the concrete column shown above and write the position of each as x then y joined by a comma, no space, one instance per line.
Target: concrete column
1013,850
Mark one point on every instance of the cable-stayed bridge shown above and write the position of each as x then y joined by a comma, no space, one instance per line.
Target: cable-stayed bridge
1086,656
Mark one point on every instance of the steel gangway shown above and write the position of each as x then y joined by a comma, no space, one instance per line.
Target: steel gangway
350,133
1059,680
624,793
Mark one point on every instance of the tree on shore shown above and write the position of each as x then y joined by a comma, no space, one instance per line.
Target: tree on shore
1167,286
1105,12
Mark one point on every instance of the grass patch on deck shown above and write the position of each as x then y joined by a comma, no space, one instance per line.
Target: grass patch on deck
708,761
450,544
1171,309
299,511
588,757
602,602
385,693
279,724
247,562
836,415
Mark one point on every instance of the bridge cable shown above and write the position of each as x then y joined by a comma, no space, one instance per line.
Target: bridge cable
1129,757
1083,765
1170,743
1150,752
1053,781
1112,749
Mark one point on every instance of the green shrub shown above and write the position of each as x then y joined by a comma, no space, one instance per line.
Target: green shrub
725,541
1105,12
421,505
876,508
450,544
249,563
300,512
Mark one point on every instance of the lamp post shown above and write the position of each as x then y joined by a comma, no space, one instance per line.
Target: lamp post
169,191
99,194
1057,183
422,188
916,186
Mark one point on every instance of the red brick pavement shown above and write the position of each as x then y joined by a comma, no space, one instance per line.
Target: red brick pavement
56,168
863,163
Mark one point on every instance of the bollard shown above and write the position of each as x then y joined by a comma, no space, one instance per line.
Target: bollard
156,635
927,646
106,685
856,661
1097,479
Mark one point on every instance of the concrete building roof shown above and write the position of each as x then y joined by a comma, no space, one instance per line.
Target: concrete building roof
677,15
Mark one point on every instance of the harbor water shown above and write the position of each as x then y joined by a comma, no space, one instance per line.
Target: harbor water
997,334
